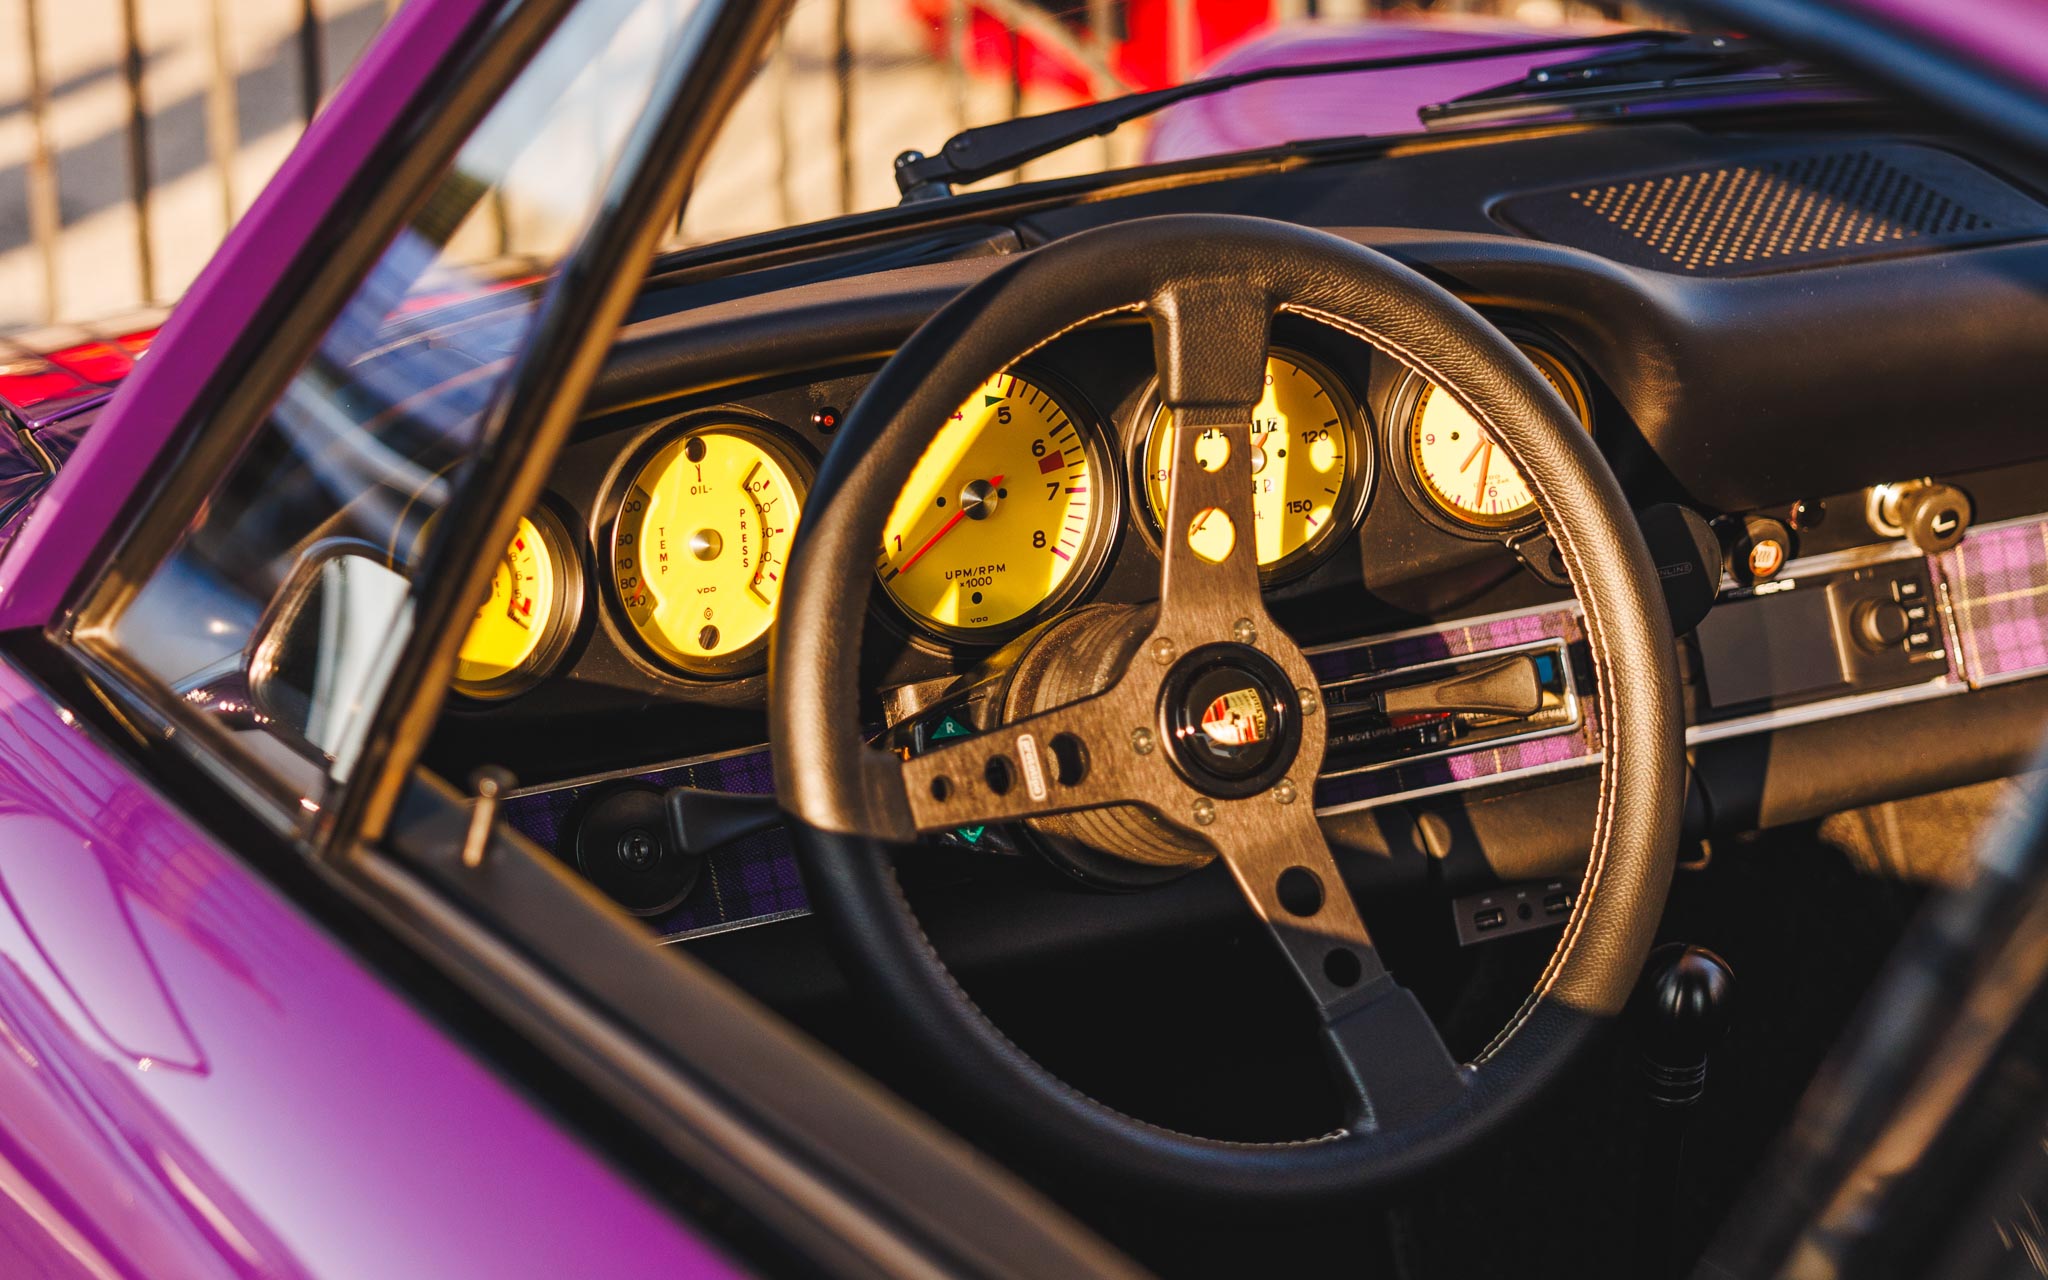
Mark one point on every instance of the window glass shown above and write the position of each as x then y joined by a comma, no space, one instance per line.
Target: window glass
284,604
849,85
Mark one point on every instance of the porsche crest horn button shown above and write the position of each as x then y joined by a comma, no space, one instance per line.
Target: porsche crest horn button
1228,712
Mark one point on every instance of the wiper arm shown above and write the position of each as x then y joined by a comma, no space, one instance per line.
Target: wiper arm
1682,58
990,149
1685,63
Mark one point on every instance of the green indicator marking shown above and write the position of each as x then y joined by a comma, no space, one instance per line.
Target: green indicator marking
948,728
987,400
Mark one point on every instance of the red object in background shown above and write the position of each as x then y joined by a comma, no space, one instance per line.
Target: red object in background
100,362
73,373
1142,52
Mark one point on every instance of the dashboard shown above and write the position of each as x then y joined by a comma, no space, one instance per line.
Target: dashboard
620,667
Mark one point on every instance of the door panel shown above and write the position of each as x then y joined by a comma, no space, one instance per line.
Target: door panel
195,1080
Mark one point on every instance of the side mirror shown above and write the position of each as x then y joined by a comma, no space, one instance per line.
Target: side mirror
322,654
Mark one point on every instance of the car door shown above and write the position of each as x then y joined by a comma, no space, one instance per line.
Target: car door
198,1075
219,628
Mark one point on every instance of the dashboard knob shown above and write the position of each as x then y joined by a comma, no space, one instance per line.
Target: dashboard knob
1880,624
1935,516
1756,547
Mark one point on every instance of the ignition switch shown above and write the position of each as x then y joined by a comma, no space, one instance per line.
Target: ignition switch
1934,516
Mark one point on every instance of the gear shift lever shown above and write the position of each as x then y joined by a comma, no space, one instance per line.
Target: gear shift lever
1679,1012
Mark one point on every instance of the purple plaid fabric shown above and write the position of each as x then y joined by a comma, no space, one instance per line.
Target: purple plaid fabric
743,881
757,877
1998,587
1561,624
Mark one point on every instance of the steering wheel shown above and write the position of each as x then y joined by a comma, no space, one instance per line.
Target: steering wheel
1115,730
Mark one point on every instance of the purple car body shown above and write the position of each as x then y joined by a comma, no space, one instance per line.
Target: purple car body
196,1078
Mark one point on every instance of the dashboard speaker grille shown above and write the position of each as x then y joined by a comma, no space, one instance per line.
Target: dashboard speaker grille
1783,211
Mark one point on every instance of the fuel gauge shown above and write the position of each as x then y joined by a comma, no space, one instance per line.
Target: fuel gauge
521,627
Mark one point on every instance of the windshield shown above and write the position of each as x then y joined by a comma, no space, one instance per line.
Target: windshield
851,84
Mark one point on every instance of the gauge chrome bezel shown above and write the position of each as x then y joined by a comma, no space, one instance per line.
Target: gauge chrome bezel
1361,468
561,626
1089,562
773,438
1403,421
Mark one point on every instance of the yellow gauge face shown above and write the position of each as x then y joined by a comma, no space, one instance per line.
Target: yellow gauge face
700,543
1458,465
512,627
1302,436
998,516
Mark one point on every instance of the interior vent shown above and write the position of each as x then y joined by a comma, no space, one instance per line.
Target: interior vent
1780,211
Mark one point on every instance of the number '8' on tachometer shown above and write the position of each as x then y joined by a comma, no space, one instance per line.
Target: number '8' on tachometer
1002,515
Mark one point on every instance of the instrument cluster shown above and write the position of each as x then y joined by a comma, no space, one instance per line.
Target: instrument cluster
1016,511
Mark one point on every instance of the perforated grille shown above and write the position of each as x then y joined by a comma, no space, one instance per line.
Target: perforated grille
1772,212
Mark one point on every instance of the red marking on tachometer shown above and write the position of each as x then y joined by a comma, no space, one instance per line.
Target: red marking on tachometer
1052,461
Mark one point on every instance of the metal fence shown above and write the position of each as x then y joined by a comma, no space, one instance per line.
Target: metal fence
134,132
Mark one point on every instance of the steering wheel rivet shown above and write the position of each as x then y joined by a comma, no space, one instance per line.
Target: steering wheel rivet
1244,632
1143,741
1310,700
1284,791
1205,811
1163,650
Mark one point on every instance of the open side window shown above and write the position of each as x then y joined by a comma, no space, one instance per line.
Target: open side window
271,617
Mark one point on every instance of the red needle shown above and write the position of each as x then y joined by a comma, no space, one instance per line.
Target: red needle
1484,464
943,530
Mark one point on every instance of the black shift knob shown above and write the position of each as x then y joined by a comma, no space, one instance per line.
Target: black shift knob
1680,1013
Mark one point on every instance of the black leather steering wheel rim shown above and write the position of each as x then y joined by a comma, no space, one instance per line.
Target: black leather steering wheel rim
845,804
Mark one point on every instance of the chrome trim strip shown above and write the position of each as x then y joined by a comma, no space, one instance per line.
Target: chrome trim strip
1858,557
1938,686
670,939
1440,628
1466,784
663,766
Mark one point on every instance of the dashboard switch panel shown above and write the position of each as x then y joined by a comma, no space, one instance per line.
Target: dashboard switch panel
1512,909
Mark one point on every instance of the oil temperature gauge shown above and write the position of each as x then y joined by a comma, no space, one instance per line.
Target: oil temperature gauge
700,543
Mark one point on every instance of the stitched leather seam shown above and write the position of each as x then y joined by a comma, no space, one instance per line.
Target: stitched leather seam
1596,634
946,974
1589,887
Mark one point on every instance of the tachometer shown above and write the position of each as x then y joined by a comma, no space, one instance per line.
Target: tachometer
1310,465
1459,470
520,628
699,545
1004,515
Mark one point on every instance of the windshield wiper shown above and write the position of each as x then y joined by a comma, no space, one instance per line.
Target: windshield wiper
990,149
1688,66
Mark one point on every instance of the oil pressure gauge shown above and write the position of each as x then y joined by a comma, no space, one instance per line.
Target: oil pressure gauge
700,541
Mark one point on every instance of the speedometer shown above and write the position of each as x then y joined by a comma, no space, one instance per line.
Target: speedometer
1004,516
700,542
1311,465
